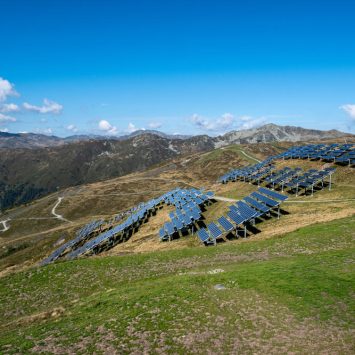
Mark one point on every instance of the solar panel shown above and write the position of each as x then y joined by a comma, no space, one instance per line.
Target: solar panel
170,228
203,235
235,217
246,210
214,230
187,221
177,223
264,199
162,233
196,215
260,206
227,226
273,194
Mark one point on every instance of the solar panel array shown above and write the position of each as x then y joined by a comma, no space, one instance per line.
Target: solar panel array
82,235
118,233
249,173
93,239
279,177
310,179
187,204
336,153
242,213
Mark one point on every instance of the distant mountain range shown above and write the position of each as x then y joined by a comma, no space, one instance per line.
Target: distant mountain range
274,133
34,140
26,174
32,165
264,134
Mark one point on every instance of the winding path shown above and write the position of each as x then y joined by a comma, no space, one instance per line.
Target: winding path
5,226
224,199
56,215
249,156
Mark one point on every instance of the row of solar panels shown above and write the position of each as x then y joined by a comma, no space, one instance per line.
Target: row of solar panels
258,171
181,197
251,207
87,230
280,176
295,178
309,179
81,235
111,237
185,214
79,245
338,153
292,178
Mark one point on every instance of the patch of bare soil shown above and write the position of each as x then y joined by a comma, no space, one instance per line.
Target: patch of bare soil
34,318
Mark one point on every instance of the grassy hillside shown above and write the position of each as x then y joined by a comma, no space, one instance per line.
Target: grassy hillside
291,293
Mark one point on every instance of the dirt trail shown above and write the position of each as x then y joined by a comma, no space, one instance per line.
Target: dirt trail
250,157
56,215
5,225
225,199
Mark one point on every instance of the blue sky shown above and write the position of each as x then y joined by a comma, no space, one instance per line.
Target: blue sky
110,67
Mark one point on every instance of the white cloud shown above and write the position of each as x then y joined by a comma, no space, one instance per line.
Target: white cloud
228,122
248,122
5,118
9,108
154,125
6,89
47,107
131,128
71,128
223,123
107,127
47,131
349,109
5,130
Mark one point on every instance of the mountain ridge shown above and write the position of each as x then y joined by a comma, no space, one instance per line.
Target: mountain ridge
263,134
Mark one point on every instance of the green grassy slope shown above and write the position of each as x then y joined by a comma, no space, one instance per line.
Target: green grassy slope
292,293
